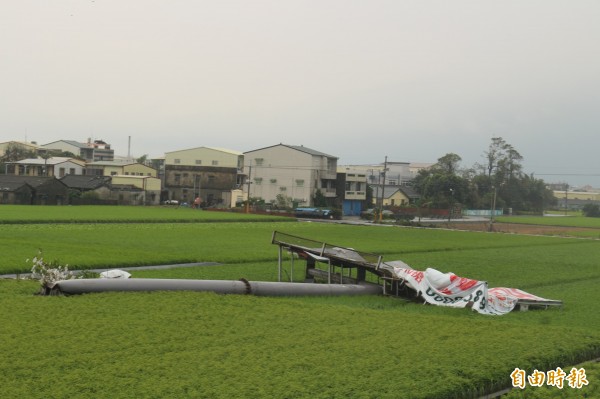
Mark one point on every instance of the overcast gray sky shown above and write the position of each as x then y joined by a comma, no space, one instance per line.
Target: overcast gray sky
360,80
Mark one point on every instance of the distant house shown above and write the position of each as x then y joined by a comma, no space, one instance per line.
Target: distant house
136,190
15,191
292,171
351,190
51,167
44,190
118,189
80,184
91,151
576,200
113,168
209,173
394,195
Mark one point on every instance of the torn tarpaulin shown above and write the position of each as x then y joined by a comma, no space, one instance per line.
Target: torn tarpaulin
448,289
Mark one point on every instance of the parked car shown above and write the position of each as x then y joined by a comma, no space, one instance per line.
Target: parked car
171,202
314,213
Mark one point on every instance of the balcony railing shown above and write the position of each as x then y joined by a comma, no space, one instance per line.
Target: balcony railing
328,192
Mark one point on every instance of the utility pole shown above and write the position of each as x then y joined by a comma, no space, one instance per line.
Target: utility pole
382,189
248,182
493,210
566,199
450,208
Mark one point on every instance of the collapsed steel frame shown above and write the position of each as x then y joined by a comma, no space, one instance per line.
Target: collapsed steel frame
337,258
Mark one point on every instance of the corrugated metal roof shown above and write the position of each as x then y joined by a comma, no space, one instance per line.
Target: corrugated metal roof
85,182
388,191
33,181
208,148
300,148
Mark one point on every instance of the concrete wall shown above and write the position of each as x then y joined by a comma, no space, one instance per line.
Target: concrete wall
281,170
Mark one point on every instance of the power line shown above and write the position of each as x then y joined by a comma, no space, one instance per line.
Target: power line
567,174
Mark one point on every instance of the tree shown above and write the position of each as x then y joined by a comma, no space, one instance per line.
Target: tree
494,154
502,177
441,185
499,180
45,156
283,202
591,210
369,195
16,152
502,161
449,163
319,199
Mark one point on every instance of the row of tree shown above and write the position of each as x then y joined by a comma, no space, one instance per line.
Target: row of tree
499,182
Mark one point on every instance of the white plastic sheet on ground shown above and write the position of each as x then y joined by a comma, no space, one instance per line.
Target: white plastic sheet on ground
115,273
448,289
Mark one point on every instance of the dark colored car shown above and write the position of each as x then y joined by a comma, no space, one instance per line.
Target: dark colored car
315,213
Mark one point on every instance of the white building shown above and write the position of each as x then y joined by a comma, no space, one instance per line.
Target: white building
396,174
51,167
296,172
91,151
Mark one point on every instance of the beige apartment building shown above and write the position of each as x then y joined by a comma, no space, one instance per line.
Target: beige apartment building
295,172
209,173
114,168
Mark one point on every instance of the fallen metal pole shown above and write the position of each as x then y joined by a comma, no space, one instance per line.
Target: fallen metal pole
260,288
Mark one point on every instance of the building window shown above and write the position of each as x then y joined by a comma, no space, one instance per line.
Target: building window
177,160
211,179
177,178
185,175
299,182
273,181
348,186
72,171
61,172
113,173
259,161
258,180
282,188
215,163
198,162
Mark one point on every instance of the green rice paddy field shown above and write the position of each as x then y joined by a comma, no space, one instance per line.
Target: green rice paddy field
203,345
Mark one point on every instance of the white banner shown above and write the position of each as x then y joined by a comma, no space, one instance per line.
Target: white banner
448,289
